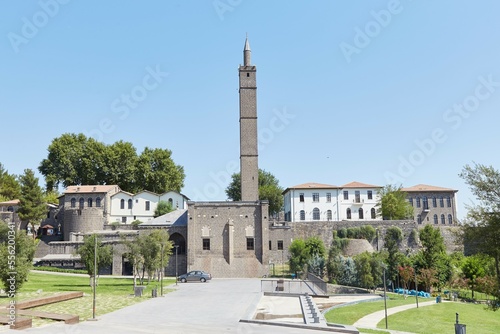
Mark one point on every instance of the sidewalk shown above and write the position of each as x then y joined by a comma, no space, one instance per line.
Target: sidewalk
371,320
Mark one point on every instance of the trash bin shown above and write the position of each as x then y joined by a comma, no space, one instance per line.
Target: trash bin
438,299
138,290
460,329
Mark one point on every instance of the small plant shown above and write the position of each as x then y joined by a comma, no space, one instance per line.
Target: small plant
135,224
114,225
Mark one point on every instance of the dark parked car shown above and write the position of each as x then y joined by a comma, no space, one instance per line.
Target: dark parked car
195,276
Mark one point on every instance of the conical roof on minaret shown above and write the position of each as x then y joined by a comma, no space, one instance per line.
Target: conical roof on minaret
247,45
247,53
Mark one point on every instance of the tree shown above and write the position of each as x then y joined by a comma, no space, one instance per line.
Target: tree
16,257
427,277
298,255
393,204
407,274
9,186
481,230
433,246
87,253
269,189
162,208
369,270
472,269
32,208
74,159
392,240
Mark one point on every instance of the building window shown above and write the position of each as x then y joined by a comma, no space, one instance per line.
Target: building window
419,219
435,219
206,244
171,202
370,194
10,208
250,245
328,197
301,197
346,194
73,202
348,213
302,215
122,204
443,221
124,219
434,202
450,219
441,202
357,196
425,203
418,202
270,245
129,204
329,215
316,214
315,197
280,244
411,201
89,202
82,202
147,206
448,201
360,213
373,213
98,202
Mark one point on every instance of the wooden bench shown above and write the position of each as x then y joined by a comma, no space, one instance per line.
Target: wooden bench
48,300
19,322
67,318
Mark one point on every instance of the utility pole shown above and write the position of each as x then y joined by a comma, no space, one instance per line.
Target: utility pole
176,273
95,275
385,301
161,273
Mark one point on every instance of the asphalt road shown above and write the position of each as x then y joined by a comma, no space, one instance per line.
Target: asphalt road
214,307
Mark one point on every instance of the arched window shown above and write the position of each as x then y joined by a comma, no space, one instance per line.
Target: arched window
411,201
441,201
10,208
448,201
418,202
425,203
302,215
89,202
360,213
434,202
73,202
419,219
373,213
98,202
443,221
178,240
435,219
329,214
450,219
122,204
129,204
348,213
171,202
316,214
82,202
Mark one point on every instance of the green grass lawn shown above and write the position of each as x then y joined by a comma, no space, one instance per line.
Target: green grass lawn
440,318
111,294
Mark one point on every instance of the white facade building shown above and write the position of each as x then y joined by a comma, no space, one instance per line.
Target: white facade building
325,202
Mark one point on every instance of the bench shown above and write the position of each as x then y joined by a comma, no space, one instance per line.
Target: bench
48,300
67,318
20,322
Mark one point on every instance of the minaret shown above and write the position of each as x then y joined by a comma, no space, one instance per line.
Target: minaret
249,166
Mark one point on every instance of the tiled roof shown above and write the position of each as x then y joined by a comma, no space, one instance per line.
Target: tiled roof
356,184
313,185
425,187
90,189
11,202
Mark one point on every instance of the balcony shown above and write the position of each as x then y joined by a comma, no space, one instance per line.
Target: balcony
358,201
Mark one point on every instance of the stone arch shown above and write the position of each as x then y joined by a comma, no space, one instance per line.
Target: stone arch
178,239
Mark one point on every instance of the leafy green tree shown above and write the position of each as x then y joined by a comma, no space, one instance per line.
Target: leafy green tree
472,269
121,166
9,186
162,208
393,204
269,189
298,255
428,277
364,270
16,257
32,208
335,263
315,246
433,246
407,273
51,197
392,240
87,254
481,230
157,172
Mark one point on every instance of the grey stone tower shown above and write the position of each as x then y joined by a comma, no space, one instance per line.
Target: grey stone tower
249,166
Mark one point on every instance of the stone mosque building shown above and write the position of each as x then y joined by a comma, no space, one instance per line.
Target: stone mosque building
227,239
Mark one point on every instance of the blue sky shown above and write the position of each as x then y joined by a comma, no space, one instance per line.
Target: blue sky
375,91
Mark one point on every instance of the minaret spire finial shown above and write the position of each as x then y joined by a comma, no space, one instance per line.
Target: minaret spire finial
247,53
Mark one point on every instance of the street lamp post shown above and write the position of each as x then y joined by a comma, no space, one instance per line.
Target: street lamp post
385,301
416,286
161,273
176,273
95,274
